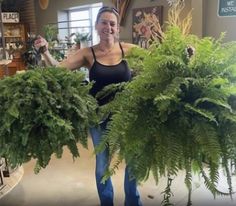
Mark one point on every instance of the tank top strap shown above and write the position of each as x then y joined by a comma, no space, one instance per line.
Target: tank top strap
123,54
93,53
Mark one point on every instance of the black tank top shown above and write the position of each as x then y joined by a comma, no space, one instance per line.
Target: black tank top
104,75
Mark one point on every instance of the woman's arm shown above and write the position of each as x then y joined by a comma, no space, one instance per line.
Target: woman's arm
49,60
127,46
76,60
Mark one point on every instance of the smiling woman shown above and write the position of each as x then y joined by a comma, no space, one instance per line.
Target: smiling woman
107,65
43,4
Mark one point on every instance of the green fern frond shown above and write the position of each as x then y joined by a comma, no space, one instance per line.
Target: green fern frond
201,112
213,101
179,112
212,185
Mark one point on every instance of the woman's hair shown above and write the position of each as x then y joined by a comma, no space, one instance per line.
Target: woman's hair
108,9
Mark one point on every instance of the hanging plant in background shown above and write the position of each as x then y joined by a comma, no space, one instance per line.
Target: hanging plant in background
179,113
42,111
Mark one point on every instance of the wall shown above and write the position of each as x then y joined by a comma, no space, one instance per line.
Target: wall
50,14
214,25
126,29
204,13
197,17
27,14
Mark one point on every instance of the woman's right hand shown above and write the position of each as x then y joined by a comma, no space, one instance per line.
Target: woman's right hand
41,44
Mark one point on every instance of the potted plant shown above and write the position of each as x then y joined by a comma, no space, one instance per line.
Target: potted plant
179,112
43,110
81,38
50,32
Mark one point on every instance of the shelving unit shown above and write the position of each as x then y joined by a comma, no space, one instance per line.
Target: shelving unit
15,35
15,32
15,38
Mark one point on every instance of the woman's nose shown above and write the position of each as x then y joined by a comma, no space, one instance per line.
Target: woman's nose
108,26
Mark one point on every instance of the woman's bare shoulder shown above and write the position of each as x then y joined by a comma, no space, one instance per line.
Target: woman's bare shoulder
127,46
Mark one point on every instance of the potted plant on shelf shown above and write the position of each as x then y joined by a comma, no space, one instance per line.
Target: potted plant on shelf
81,39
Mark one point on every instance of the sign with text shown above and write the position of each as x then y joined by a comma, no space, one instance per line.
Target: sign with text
10,17
227,8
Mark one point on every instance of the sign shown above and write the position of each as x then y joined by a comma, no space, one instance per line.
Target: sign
227,8
10,17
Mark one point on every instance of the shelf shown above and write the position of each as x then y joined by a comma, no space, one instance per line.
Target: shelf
13,36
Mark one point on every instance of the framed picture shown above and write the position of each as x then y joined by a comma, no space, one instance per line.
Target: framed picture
146,25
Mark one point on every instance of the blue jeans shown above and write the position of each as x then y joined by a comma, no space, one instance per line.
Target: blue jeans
105,190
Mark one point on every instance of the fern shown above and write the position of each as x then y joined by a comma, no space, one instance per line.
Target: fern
42,111
178,113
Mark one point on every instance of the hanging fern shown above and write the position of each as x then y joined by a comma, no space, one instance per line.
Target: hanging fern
178,113
43,110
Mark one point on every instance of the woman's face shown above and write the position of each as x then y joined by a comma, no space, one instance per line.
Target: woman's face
107,26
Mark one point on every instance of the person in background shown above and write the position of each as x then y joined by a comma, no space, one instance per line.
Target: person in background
106,64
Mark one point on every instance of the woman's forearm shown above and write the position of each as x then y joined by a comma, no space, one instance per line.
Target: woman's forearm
49,59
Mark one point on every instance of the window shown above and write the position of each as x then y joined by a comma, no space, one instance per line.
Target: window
79,19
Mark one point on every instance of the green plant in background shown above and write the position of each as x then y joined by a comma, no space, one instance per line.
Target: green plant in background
81,37
50,32
179,113
42,111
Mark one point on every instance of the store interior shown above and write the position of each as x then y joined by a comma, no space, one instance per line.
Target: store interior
69,181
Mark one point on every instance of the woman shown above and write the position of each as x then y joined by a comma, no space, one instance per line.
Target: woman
106,66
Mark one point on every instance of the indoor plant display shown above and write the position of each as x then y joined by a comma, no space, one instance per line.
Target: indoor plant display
50,32
81,38
42,111
180,112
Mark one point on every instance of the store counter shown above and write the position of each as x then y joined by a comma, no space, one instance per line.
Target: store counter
4,67
10,67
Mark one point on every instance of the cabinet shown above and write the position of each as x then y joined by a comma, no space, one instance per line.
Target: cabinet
16,64
15,33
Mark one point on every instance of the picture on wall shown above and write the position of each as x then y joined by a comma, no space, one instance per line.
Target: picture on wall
146,25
